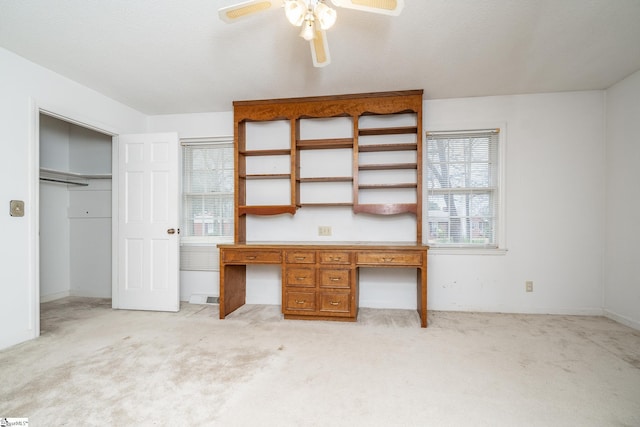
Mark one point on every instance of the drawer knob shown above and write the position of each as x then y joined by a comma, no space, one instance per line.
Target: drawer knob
300,258
251,257
334,279
298,301
387,259
300,278
334,302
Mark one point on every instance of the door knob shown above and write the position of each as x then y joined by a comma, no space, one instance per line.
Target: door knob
171,231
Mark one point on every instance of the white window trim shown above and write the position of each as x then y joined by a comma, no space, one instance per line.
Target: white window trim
502,218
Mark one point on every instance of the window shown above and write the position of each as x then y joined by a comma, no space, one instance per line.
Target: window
463,197
207,193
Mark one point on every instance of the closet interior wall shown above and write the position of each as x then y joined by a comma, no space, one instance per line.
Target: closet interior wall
75,211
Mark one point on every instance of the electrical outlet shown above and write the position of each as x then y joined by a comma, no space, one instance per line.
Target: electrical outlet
529,285
324,230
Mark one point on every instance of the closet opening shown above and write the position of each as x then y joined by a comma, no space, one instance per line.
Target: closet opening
75,219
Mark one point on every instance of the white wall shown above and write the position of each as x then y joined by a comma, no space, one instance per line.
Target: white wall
89,151
622,252
54,242
24,87
90,214
554,197
54,202
90,239
554,207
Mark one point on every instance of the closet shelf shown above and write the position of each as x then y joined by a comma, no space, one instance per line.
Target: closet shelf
64,177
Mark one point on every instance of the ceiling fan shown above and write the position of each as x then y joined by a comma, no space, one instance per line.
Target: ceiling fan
313,16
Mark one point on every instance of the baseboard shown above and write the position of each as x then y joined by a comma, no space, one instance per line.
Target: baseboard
635,324
88,293
53,297
528,310
565,311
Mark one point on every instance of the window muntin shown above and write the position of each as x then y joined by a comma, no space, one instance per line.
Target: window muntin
463,188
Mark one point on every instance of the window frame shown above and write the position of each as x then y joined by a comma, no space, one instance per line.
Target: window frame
212,241
501,241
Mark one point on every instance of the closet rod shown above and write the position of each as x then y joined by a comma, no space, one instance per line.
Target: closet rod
62,181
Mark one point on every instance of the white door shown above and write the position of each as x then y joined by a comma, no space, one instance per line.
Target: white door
148,214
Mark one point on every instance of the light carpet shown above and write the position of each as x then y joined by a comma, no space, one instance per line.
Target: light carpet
94,366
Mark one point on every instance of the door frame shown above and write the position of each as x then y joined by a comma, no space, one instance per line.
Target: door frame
78,119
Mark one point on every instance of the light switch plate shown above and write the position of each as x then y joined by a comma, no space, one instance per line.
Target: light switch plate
16,208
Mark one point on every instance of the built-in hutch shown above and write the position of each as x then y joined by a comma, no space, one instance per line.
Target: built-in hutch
320,279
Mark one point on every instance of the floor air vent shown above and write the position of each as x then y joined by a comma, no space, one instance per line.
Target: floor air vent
203,299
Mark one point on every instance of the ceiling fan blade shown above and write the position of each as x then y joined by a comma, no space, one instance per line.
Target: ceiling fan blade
239,11
320,49
385,7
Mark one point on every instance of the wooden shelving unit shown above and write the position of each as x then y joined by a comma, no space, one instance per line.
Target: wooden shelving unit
382,154
358,108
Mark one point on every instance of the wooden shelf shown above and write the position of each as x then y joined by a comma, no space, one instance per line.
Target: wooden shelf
326,205
327,179
266,210
266,176
387,147
387,166
279,152
388,131
319,144
386,208
382,186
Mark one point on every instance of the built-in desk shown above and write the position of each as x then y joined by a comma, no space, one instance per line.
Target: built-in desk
319,281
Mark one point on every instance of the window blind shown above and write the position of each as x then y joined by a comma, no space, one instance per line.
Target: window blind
463,188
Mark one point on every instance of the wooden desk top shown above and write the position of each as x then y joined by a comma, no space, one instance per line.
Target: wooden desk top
327,245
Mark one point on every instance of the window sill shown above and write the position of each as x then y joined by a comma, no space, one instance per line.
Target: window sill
467,251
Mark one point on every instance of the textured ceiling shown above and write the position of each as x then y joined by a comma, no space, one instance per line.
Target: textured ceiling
176,56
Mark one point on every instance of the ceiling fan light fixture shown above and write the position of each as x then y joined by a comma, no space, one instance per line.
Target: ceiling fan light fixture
295,11
313,16
326,16
308,30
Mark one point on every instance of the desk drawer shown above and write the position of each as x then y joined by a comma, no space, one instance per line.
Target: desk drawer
301,276
334,302
389,258
299,301
301,257
242,256
332,278
335,257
